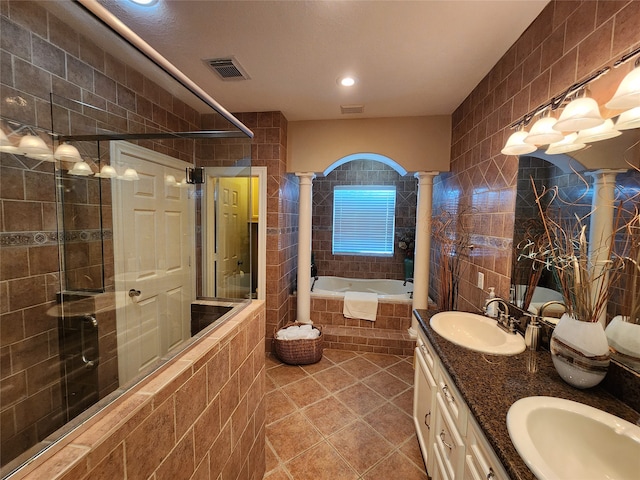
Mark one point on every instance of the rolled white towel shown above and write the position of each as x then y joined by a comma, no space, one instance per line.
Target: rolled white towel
295,332
315,333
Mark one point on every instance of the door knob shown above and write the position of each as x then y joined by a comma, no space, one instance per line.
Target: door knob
134,293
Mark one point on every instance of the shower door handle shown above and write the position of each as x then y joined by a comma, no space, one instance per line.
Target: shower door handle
91,320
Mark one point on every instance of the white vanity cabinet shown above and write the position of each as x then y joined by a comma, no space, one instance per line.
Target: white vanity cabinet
451,441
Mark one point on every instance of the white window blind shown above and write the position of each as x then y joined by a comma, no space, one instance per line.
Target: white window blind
363,219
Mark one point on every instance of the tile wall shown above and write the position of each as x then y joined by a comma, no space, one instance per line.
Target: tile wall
269,149
360,172
201,416
567,42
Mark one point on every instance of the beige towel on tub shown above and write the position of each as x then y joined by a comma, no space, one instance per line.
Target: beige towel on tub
360,305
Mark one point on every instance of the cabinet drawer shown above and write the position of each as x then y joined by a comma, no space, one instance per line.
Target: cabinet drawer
453,401
448,443
427,352
481,461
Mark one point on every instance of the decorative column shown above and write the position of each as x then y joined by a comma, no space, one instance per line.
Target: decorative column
304,247
601,224
422,254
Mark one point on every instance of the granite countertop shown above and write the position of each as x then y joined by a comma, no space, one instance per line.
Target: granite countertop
490,384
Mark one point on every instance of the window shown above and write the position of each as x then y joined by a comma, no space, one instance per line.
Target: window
364,220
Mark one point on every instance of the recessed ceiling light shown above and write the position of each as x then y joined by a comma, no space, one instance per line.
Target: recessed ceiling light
346,81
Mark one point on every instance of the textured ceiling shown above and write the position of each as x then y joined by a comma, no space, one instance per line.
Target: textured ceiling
410,57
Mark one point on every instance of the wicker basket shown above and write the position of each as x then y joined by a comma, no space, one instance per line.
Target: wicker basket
298,352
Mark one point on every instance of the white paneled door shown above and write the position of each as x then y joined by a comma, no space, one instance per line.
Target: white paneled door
153,231
232,242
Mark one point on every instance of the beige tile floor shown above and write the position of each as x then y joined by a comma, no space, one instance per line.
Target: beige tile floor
347,417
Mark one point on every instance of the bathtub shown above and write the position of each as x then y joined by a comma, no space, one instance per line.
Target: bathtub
386,289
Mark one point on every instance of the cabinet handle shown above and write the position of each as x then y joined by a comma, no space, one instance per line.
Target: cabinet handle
447,394
448,445
491,475
425,420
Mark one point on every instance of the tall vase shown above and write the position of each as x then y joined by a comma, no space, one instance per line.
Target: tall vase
580,352
408,267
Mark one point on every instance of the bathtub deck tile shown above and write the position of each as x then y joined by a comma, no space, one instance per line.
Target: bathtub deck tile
368,340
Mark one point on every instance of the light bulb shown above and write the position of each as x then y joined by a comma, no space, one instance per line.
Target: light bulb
543,133
566,145
579,114
629,119
130,175
81,169
107,171
628,93
32,145
516,146
601,132
67,152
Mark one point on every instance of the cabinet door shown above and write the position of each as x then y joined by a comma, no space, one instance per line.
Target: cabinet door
448,443
423,401
481,461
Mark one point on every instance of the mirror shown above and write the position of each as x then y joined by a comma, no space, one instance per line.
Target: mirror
568,172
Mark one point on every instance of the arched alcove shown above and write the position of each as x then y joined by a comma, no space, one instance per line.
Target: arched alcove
564,162
366,156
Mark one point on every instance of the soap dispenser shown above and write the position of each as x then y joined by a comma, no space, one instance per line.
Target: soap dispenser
490,307
532,334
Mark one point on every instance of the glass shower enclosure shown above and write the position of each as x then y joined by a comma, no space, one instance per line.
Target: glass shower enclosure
104,246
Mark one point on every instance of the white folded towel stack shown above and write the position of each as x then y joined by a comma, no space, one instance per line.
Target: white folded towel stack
361,305
298,332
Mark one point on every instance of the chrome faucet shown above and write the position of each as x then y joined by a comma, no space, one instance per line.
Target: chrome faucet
505,321
548,304
410,280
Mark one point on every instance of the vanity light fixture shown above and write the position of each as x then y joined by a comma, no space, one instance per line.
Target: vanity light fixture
629,119
32,145
67,152
130,175
579,114
107,171
628,93
516,145
543,133
81,169
566,145
601,132
585,114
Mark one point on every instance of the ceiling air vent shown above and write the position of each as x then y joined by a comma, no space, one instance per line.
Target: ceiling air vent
227,68
346,109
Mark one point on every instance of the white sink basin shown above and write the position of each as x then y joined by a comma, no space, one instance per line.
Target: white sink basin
561,439
477,333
